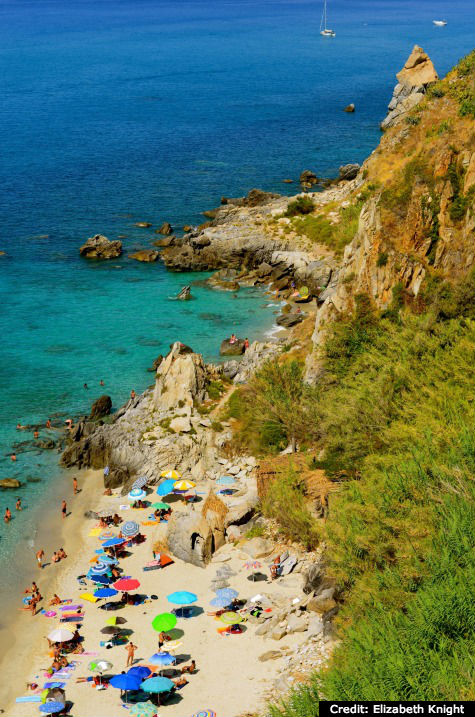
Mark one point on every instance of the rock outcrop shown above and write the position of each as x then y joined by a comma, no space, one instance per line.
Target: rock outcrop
414,78
100,247
235,349
181,380
145,255
101,407
9,483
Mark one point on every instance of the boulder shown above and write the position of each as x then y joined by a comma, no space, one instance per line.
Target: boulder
153,368
258,547
100,247
308,177
414,78
348,172
288,320
269,655
165,241
184,294
264,269
323,602
181,379
146,255
166,229
9,483
230,369
315,626
180,424
278,633
296,624
117,477
190,538
143,225
235,349
233,532
101,407
313,578
201,241
350,107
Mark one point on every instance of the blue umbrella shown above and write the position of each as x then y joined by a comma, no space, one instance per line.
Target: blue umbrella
220,602
166,487
99,568
112,542
136,494
130,528
157,684
125,682
109,560
227,593
105,592
102,579
140,482
140,672
51,708
162,658
225,480
182,597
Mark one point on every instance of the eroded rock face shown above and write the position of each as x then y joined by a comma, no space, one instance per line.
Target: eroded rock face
348,172
100,247
414,78
101,407
145,255
181,379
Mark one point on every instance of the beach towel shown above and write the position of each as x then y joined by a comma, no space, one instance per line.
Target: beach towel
48,613
71,607
29,698
150,522
89,597
95,532
52,685
73,618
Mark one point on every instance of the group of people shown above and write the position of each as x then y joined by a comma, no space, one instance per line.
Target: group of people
58,555
234,339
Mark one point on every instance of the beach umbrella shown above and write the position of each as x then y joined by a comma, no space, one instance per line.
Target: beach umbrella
172,474
166,487
143,709
164,622
219,602
182,486
105,592
162,659
182,597
157,684
303,291
116,620
113,542
228,593
140,671
225,480
140,482
127,584
160,506
101,579
100,666
107,535
136,494
108,560
110,630
231,618
172,645
205,713
105,513
51,708
125,682
130,529
252,565
60,634
99,568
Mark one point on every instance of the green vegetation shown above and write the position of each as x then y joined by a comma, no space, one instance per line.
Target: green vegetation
334,235
215,389
301,205
382,259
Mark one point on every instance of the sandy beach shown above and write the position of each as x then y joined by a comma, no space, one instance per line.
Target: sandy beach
229,680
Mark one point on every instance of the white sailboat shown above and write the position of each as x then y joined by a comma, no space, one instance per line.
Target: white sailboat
440,23
324,30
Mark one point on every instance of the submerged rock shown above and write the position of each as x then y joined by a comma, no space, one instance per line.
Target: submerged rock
100,247
308,177
146,255
9,483
166,229
350,107
143,225
184,294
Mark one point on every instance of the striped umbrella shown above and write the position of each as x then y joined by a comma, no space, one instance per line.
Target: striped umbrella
162,659
108,560
252,565
172,645
140,482
231,618
205,713
60,634
142,709
170,474
107,535
100,568
130,529
136,494
182,486
100,666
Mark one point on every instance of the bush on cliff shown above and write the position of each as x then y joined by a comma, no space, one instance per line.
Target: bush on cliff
301,205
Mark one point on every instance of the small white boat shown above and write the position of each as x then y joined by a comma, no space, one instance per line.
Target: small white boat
324,30
440,23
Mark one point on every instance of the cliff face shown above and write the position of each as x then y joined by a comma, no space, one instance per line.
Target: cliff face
418,216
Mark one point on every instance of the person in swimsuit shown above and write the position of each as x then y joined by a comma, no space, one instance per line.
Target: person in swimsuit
8,516
13,457
48,423
39,557
18,504
64,508
75,485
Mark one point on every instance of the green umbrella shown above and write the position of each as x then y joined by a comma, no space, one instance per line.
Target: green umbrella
143,709
230,618
164,622
160,506
303,291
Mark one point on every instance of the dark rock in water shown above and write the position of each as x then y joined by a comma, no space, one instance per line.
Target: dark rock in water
166,241
183,349
146,255
184,294
350,108
156,364
116,477
143,225
348,171
210,213
9,483
101,407
33,479
166,228
308,177
288,181
288,320
46,444
235,349
187,228
100,247
254,198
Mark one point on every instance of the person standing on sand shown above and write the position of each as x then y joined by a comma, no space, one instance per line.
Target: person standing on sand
75,485
130,653
39,557
64,508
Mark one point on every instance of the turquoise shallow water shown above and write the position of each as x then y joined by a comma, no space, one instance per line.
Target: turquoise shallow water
115,111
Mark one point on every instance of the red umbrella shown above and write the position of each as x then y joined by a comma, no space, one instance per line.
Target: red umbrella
127,584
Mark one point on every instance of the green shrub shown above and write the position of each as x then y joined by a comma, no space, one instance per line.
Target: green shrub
382,259
334,235
215,389
301,205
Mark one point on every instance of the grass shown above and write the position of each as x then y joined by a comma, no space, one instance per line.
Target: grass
335,236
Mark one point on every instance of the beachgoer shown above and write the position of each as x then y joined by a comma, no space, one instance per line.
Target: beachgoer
132,394
39,557
55,600
33,589
69,423
61,553
75,485
189,668
162,638
18,504
13,457
36,434
246,344
130,653
86,386
101,383
116,519
19,427
106,471
55,557
233,339
48,423
180,681
8,516
64,508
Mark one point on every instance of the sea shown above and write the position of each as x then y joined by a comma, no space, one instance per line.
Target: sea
121,111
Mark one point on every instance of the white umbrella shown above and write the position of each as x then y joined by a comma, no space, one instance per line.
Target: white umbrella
140,482
136,494
60,635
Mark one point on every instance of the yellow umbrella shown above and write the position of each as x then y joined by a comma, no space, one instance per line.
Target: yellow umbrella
183,485
171,645
170,474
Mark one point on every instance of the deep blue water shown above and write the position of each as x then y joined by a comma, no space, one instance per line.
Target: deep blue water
115,111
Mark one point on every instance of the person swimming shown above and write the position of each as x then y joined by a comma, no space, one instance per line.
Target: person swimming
48,423
8,516
18,504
